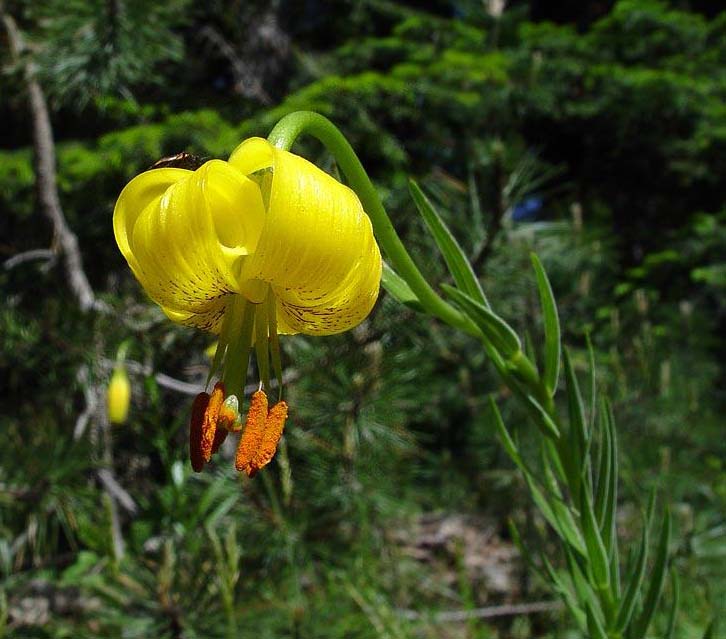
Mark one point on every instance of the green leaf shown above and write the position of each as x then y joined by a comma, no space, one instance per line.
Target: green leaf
553,510
565,594
544,421
593,381
459,265
399,289
558,516
635,581
551,326
494,328
529,350
710,630
599,561
594,625
579,435
602,477
608,521
676,589
581,583
657,578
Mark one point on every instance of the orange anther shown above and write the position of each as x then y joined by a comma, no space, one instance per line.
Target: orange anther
199,408
211,416
252,436
271,438
219,436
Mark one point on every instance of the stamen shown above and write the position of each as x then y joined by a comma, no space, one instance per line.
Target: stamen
211,416
251,439
273,432
199,408
219,436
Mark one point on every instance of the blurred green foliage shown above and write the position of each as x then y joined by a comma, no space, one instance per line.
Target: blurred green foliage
616,128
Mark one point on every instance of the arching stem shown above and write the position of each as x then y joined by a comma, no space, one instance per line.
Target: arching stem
283,136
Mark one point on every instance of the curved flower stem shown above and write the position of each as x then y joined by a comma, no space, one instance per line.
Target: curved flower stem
283,136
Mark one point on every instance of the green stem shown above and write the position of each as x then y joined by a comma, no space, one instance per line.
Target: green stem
283,136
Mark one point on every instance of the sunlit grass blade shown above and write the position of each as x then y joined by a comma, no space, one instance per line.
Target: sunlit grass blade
657,579
635,581
495,329
551,326
459,265
399,289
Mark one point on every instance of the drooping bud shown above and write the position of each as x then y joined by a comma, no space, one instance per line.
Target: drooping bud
118,395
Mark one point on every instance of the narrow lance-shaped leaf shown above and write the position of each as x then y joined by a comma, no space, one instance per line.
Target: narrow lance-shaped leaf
399,289
551,326
566,594
540,416
595,547
561,521
594,625
579,435
529,350
459,265
608,522
603,470
494,328
635,582
676,590
657,578
593,381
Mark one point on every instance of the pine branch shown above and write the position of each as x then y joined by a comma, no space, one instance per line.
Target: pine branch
45,171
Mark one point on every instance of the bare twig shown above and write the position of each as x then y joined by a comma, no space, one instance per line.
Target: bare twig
110,483
507,610
187,388
91,400
45,171
28,256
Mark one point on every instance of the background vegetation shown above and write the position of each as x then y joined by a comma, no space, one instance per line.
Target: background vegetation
593,133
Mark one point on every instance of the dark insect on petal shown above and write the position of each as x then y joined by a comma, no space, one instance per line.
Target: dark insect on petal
181,160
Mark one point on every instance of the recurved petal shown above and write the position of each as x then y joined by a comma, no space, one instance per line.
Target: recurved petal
185,235
317,248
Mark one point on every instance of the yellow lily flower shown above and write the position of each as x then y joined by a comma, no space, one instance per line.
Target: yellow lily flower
265,243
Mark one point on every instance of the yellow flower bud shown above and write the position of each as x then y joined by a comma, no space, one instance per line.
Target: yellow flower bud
118,396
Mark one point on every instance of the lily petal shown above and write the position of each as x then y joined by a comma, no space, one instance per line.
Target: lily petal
317,249
186,234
